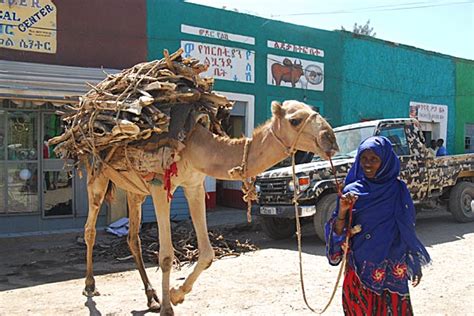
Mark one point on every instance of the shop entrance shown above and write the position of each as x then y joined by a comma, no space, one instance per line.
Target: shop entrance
57,182
228,193
239,124
32,179
431,131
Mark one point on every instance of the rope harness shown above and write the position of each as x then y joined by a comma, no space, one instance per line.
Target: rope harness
291,151
298,235
346,242
248,183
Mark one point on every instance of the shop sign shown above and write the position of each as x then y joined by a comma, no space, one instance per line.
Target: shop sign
220,35
431,113
225,63
426,112
294,72
296,48
28,25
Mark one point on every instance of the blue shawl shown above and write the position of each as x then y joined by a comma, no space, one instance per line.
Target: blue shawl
387,251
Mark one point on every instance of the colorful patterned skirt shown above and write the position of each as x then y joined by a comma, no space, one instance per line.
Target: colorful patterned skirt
357,300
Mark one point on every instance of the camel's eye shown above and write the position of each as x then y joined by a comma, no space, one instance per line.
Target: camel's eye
295,122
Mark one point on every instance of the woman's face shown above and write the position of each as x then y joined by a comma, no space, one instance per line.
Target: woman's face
370,163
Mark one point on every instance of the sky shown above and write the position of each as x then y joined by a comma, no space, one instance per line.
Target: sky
444,26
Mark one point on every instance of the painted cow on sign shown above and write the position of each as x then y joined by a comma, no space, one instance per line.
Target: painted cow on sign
288,72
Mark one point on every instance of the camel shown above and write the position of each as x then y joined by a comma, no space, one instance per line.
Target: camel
294,125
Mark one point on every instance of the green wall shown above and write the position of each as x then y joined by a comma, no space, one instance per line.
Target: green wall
164,21
364,77
380,79
464,100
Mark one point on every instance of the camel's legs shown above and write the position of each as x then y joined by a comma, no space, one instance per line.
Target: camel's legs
196,200
96,189
135,215
166,255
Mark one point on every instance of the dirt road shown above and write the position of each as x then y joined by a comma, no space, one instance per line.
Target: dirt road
44,280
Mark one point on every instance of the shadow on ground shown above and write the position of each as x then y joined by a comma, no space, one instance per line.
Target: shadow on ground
30,261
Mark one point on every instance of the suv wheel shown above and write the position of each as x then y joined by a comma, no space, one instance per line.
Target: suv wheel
461,202
324,208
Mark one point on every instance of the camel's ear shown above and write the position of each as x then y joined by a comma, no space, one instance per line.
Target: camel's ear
277,110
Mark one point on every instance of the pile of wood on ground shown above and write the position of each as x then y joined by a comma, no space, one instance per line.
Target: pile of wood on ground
134,106
184,243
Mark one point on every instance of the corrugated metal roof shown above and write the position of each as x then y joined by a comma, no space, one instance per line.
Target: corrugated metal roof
55,83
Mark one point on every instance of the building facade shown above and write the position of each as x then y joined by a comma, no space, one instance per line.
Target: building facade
254,62
387,80
464,142
50,48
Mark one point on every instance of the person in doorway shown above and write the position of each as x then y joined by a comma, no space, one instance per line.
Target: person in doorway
441,151
47,182
2,146
386,252
433,147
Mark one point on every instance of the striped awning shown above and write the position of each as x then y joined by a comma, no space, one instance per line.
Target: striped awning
44,82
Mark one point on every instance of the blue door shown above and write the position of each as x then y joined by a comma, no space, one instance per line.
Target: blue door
179,208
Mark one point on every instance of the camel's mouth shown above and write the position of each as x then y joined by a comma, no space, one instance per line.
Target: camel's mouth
327,144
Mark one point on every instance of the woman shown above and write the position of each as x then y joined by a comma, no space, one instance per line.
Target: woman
386,252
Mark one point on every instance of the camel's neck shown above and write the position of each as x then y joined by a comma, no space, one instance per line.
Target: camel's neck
215,156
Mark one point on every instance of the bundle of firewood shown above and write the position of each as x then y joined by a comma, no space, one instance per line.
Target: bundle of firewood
130,107
184,244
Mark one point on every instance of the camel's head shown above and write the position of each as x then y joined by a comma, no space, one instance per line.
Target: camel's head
317,135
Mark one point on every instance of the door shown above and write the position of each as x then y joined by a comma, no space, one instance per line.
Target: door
469,138
19,173
413,169
228,193
57,182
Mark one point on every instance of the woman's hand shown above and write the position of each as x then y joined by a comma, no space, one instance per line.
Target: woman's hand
416,279
345,203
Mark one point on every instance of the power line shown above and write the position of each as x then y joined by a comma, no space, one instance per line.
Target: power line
382,8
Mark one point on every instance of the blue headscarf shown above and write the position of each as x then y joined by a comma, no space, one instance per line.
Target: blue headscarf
387,251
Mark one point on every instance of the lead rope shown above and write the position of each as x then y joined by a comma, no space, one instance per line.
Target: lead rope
298,237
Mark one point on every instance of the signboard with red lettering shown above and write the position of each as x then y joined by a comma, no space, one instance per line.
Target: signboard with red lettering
225,63
431,113
296,48
28,25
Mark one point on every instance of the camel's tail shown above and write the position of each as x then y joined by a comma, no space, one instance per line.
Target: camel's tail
110,194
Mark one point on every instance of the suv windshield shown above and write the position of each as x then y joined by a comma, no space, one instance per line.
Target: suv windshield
350,139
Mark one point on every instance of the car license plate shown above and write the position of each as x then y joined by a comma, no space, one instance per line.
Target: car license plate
307,210
268,210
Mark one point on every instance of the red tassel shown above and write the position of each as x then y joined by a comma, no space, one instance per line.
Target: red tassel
172,171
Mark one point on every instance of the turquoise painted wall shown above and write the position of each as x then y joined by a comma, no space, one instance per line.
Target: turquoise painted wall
381,78
364,78
464,100
164,21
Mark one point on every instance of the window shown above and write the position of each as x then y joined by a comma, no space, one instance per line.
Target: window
350,139
22,140
3,149
398,138
22,187
469,138
20,167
